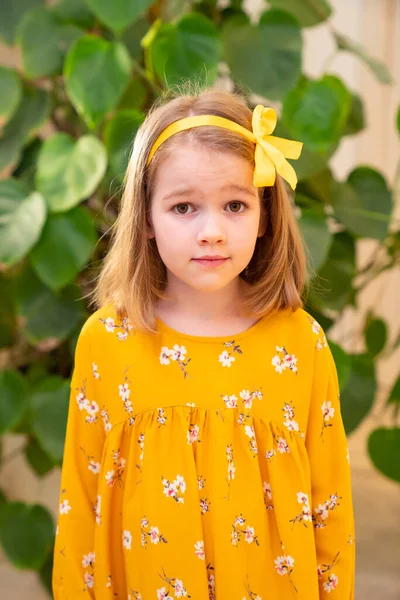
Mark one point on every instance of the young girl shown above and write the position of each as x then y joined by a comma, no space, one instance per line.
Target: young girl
205,454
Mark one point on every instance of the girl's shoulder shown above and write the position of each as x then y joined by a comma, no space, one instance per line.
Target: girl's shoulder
300,326
104,325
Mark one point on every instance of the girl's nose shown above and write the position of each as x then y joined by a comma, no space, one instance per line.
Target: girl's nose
211,230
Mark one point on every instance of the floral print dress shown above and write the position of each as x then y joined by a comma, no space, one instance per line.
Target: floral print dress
205,467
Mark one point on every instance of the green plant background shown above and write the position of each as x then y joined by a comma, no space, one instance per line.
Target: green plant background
90,71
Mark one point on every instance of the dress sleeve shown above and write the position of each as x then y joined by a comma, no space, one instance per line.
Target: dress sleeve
79,508
331,492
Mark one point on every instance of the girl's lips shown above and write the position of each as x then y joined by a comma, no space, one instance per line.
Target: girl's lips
209,262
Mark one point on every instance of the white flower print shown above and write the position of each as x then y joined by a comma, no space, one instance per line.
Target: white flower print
201,482
65,507
288,361
88,559
82,401
96,509
89,579
193,434
176,489
283,564
123,329
125,393
204,505
164,360
249,430
106,420
127,539
199,550
230,401
110,477
161,418
110,324
322,510
305,515
267,496
96,373
174,584
225,359
237,532
327,410
332,583
270,454
162,594
283,445
94,467
248,397
109,581
176,354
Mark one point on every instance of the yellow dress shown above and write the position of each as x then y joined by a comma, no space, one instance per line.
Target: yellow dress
205,467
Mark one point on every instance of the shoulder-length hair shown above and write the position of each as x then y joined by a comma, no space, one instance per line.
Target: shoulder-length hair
133,276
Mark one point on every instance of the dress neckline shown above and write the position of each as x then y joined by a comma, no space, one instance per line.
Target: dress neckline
161,326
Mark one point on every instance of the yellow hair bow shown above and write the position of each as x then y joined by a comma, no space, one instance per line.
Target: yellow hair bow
270,154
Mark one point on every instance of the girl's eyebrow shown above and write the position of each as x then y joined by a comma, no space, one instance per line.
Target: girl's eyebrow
231,187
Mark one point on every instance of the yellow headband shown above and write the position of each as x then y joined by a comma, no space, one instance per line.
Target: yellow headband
270,154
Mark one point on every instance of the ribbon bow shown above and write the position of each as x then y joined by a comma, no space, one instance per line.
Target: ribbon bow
271,152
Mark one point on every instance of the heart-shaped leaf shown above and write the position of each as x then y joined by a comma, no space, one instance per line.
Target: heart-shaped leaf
44,41
30,115
11,93
316,235
26,534
356,118
275,42
383,449
358,396
394,397
22,217
69,171
117,15
369,211
11,14
14,393
378,68
316,112
46,319
119,134
307,13
375,335
96,74
37,458
74,11
182,50
64,248
49,409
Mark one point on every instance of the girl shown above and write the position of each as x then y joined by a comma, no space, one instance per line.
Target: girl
205,454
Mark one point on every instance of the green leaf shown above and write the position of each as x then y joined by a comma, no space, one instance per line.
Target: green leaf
276,42
378,68
133,36
49,404
69,171
11,93
187,49
364,204
316,112
46,575
119,134
394,397
135,95
336,276
356,118
119,14
74,11
37,458
307,13
342,362
46,319
383,449
32,112
22,217
8,325
11,13
26,168
358,396
375,335
13,399
96,74
26,534
65,247
316,235
44,41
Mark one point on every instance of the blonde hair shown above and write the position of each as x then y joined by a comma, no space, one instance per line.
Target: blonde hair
133,276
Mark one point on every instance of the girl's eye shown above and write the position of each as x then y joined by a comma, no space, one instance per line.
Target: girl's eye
235,204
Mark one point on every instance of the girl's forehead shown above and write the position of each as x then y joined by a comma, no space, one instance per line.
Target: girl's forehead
194,164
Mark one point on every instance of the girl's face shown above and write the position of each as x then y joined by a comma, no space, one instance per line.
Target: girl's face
204,203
